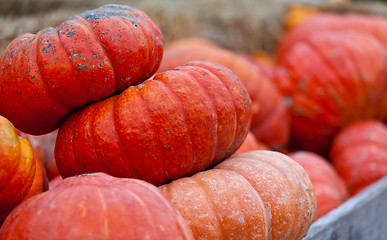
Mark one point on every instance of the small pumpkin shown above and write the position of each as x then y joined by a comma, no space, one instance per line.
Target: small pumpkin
252,195
173,125
331,191
331,79
90,56
359,154
97,206
270,120
21,173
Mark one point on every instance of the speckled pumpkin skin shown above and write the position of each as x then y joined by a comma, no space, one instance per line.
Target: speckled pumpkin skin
21,174
90,56
332,79
97,206
176,124
252,195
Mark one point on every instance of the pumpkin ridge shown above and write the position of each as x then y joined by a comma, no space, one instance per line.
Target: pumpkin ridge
211,105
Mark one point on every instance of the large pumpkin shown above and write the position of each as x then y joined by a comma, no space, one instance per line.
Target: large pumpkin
330,80
330,189
359,154
97,206
252,195
270,120
176,124
90,56
21,174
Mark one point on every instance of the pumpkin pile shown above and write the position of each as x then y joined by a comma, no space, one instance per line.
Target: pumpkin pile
125,129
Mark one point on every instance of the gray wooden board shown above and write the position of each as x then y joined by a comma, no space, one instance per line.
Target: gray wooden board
363,216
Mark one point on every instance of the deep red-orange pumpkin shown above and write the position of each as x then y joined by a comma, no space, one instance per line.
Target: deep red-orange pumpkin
252,195
332,79
176,124
359,154
97,206
90,56
330,189
270,121
21,174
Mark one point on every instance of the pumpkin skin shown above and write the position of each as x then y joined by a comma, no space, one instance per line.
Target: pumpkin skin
251,143
317,22
270,120
90,56
331,191
252,195
44,146
97,206
359,154
174,125
330,80
21,174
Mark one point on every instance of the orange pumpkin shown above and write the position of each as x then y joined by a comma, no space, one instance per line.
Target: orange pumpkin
97,206
21,173
252,195
178,123
270,121
90,56
359,154
330,189
251,143
331,79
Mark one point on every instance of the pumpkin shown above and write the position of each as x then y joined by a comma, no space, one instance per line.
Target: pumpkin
21,174
270,120
331,191
252,195
173,125
44,146
331,79
359,154
46,76
251,143
333,22
97,206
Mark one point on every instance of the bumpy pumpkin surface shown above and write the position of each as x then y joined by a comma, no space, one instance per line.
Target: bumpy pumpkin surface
90,56
359,154
252,195
332,79
97,206
21,174
330,189
270,120
176,124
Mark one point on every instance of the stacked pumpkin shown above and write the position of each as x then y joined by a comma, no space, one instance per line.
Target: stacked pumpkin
122,132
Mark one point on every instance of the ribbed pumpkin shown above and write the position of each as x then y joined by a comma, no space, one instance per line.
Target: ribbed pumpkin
330,80
317,22
270,121
21,174
359,154
173,125
97,206
90,56
330,189
252,195
44,146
